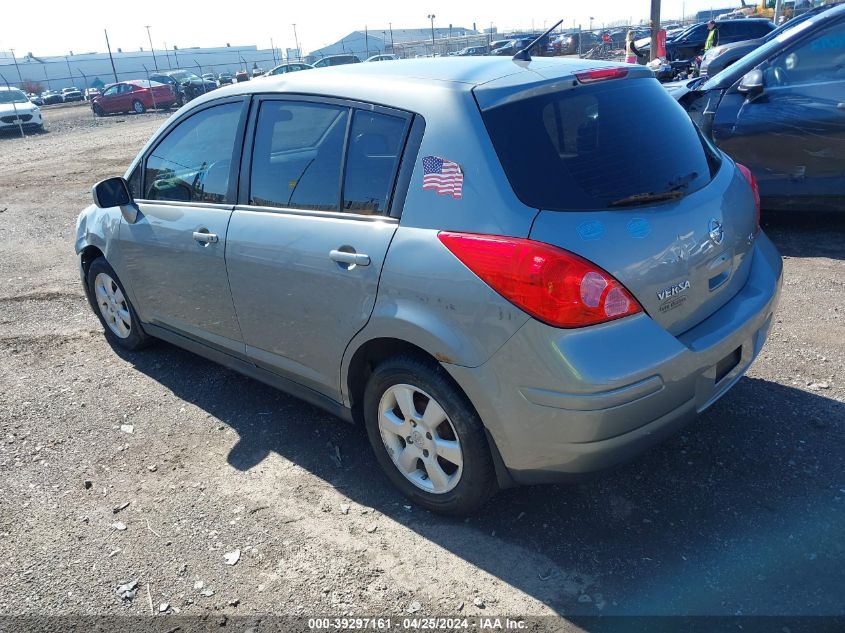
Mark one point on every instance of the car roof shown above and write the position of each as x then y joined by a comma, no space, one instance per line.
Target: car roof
414,84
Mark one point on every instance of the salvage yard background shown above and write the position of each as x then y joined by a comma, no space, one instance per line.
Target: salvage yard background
742,513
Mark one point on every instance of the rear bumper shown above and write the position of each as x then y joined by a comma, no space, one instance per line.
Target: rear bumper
562,403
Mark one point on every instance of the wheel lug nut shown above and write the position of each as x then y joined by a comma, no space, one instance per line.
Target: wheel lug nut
414,424
428,435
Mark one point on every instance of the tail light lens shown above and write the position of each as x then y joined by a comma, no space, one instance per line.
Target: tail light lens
755,189
549,283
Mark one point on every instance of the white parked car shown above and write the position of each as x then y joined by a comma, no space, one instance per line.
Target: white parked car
16,109
386,57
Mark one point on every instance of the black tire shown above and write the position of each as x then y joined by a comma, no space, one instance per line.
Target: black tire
477,482
98,111
136,338
138,107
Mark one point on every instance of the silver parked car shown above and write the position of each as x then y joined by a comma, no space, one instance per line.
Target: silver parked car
456,253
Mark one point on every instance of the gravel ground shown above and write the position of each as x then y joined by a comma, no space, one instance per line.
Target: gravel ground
154,466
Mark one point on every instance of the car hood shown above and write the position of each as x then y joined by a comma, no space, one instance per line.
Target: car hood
677,89
22,108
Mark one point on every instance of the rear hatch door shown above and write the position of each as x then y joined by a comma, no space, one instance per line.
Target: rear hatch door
623,178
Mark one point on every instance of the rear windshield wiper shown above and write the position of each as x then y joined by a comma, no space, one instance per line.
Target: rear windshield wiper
643,198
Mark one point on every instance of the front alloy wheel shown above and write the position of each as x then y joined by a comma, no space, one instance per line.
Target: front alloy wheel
112,305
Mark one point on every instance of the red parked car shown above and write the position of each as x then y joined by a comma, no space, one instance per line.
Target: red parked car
137,95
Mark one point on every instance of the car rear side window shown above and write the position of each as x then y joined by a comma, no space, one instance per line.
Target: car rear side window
193,162
591,146
375,145
297,155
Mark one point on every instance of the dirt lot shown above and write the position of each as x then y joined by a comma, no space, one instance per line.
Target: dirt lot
741,514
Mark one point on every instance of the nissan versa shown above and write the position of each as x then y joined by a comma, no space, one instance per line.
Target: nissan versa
457,253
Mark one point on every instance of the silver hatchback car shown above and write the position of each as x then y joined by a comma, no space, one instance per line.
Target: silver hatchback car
465,255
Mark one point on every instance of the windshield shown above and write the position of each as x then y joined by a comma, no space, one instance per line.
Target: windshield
598,146
730,74
13,96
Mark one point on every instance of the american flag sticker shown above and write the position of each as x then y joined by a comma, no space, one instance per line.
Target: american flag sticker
443,176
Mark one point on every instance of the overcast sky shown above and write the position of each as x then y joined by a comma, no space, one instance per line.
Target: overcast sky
55,27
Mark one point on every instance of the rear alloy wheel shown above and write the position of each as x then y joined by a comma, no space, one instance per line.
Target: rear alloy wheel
138,107
427,437
114,310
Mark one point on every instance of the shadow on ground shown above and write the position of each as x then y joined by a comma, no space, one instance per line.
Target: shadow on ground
743,513
807,234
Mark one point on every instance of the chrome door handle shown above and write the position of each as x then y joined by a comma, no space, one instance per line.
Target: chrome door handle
205,238
344,257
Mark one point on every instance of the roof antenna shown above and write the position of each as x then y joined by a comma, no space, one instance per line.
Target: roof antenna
523,55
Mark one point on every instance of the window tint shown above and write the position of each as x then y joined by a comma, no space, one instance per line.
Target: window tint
296,159
375,145
818,58
110,91
193,163
585,148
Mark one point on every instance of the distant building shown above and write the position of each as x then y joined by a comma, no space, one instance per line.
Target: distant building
364,44
89,69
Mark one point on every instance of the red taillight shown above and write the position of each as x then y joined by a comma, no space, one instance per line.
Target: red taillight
601,74
755,189
549,283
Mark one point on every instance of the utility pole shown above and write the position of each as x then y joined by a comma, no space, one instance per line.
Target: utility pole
152,49
431,17
15,59
167,53
392,47
69,71
273,50
367,41
108,46
175,55
296,40
655,27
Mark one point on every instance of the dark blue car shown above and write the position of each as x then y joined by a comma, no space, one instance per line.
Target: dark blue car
781,111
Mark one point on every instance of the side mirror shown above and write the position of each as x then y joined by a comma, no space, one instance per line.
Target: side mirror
752,83
114,192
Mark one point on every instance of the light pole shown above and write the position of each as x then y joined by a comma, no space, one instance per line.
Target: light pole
296,40
15,59
152,49
591,23
431,17
167,54
392,47
69,71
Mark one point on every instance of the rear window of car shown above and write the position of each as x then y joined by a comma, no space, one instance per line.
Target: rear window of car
591,146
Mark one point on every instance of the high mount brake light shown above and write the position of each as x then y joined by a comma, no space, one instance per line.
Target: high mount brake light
601,74
755,189
549,283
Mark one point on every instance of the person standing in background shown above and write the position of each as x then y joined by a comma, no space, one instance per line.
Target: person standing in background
712,36
631,52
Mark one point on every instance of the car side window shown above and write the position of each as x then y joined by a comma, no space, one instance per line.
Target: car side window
135,182
820,57
111,91
297,154
375,146
193,162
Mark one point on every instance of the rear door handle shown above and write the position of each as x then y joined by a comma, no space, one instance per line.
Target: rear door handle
344,257
205,237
